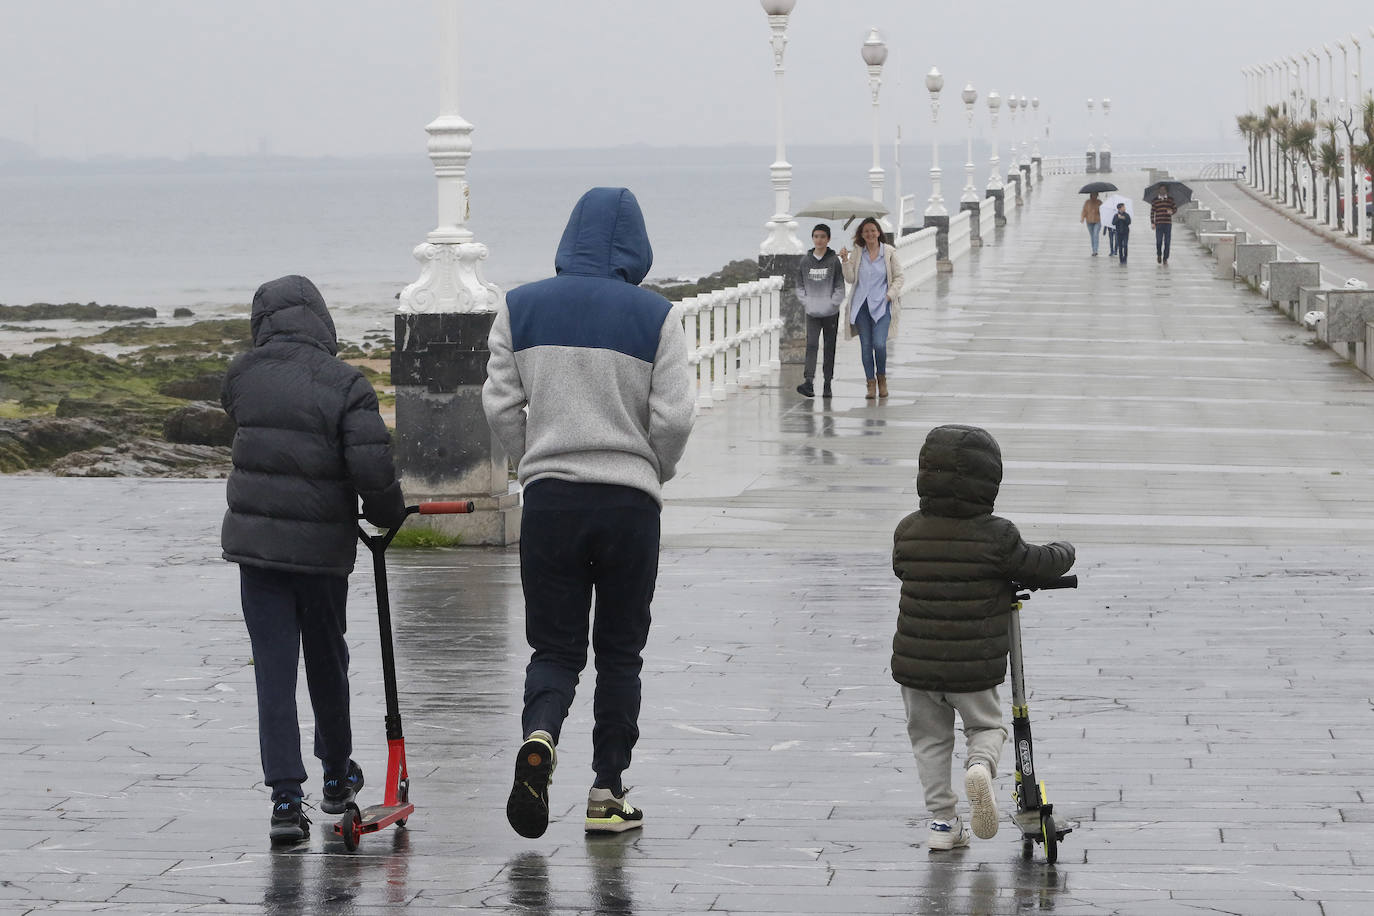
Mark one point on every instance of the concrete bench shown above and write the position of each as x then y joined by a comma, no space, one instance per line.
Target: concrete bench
1287,277
1211,225
1343,329
1251,258
1191,218
1224,247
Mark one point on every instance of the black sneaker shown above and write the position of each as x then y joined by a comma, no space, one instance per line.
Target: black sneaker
527,809
611,813
806,389
340,793
826,392
289,823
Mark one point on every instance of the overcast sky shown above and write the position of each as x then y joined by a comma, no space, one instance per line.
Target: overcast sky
85,78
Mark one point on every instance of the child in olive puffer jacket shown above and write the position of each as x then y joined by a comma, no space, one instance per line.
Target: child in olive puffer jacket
957,562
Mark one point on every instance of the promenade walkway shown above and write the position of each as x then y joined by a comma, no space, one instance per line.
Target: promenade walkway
1202,704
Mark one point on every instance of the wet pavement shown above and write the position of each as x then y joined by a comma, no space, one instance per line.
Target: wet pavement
1202,704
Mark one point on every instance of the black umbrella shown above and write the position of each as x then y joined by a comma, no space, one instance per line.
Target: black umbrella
1098,187
1177,190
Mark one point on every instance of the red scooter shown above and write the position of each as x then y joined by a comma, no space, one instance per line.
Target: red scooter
396,806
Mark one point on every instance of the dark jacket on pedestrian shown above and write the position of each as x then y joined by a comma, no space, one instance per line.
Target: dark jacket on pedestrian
1121,222
820,283
957,562
588,379
310,442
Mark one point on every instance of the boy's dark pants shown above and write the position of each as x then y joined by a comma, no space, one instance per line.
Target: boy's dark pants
287,611
1164,232
577,539
1122,238
814,328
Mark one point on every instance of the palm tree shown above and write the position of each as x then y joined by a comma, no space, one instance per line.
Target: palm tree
1247,125
1268,131
1300,140
1329,164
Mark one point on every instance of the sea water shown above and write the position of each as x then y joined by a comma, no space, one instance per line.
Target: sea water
203,233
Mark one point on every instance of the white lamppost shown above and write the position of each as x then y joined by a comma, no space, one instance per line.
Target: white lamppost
1348,172
782,228
874,53
1024,103
1092,144
1105,159
994,165
1011,132
969,95
934,83
1358,179
450,257
1035,148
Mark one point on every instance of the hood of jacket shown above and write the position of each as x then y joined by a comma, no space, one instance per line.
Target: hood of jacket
605,237
960,472
292,308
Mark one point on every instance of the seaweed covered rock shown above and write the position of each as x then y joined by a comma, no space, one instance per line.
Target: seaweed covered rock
76,311
204,387
34,442
201,423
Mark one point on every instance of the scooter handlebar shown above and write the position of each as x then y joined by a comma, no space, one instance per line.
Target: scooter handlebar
1061,582
450,507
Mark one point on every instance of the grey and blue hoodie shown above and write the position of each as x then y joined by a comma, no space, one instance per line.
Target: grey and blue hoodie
820,283
600,364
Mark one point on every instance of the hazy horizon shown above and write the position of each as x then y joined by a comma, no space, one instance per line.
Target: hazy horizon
167,79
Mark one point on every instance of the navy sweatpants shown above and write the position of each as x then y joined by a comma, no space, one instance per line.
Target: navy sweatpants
286,612
579,542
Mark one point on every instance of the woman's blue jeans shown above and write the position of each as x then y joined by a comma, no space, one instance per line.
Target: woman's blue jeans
873,341
1094,233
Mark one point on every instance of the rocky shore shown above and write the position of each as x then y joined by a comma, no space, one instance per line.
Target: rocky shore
140,398
150,410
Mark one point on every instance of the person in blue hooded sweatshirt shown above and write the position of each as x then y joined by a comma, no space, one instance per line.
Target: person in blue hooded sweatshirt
589,391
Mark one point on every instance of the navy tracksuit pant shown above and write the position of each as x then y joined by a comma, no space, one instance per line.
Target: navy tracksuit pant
285,613
588,547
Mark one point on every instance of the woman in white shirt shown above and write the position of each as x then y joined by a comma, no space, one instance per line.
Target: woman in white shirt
874,301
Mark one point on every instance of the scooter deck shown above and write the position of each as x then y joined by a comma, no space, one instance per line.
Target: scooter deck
376,817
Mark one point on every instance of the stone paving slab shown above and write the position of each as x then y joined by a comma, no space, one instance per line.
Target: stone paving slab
1201,704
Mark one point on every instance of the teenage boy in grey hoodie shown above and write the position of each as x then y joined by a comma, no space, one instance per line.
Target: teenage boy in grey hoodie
820,288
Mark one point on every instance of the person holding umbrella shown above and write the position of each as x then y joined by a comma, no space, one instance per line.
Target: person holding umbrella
1121,229
1092,215
1162,210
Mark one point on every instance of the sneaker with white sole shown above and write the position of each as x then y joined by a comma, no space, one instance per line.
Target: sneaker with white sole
527,809
611,813
981,800
948,835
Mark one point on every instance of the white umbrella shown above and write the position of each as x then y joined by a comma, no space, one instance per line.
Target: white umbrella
1109,207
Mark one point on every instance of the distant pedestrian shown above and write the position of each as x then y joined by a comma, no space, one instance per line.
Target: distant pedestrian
875,301
958,562
588,390
820,288
1092,215
1121,229
310,442
1162,210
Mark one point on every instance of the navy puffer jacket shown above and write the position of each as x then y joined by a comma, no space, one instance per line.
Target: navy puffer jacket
309,443
957,562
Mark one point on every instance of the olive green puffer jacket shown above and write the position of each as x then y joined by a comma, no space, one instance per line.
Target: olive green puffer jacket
957,562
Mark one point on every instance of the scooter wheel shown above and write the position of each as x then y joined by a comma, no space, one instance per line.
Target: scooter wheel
401,822
1051,838
349,828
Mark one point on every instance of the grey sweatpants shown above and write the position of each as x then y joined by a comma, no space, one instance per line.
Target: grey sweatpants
930,725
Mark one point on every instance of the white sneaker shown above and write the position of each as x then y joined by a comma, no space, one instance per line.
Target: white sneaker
948,835
982,801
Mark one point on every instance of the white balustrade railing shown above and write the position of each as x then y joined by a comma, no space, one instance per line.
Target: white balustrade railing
917,254
987,219
1179,165
960,235
733,337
